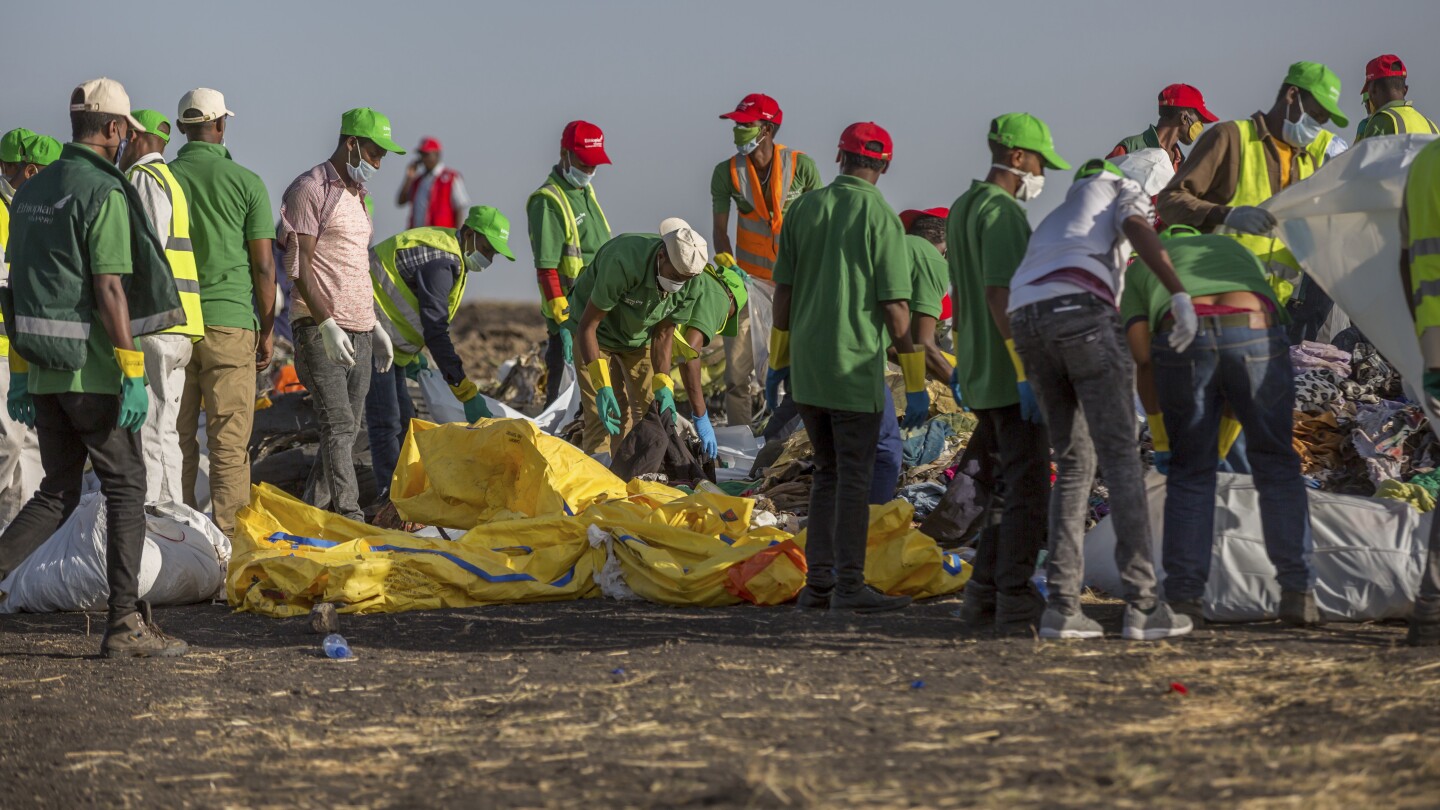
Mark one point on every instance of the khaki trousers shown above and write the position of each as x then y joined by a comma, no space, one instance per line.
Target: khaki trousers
630,376
221,374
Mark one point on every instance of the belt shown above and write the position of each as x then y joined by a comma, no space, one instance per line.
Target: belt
1246,320
1063,303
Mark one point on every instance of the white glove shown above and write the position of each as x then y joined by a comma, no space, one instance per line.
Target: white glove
1251,220
337,344
382,348
1182,310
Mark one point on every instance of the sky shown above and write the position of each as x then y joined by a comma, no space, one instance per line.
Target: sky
496,83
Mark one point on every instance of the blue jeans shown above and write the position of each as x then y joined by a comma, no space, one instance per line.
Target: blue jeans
1249,369
388,411
888,455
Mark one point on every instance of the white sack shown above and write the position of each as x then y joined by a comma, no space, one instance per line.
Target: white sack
444,407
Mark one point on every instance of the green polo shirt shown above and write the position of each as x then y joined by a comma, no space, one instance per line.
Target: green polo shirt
229,207
621,282
929,276
108,243
547,228
842,251
987,233
722,191
1206,265
707,307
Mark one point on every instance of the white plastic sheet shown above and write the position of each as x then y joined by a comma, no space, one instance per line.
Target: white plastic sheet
761,302
444,407
183,562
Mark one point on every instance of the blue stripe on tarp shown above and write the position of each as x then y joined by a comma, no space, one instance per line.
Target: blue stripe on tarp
298,540
952,563
315,542
526,549
726,540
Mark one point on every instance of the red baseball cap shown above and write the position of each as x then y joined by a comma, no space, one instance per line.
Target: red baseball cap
756,107
909,215
586,141
1383,67
1183,95
855,136
428,144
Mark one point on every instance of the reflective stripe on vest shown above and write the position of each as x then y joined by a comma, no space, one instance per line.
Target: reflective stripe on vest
572,259
1253,187
757,233
1422,212
1408,120
398,305
4,240
179,251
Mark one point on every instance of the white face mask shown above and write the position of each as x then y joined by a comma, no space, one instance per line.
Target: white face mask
578,178
746,148
475,261
1300,133
362,172
1030,184
669,285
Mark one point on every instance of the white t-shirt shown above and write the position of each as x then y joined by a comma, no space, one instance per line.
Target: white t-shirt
1085,232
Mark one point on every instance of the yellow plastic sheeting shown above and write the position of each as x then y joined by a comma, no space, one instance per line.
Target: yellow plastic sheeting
289,556
902,560
462,476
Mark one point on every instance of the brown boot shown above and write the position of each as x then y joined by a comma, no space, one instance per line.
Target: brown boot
136,636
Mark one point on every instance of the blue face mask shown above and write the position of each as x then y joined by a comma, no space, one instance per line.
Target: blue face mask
120,150
362,172
1301,133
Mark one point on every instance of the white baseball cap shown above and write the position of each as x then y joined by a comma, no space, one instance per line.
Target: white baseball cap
210,103
104,95
686,248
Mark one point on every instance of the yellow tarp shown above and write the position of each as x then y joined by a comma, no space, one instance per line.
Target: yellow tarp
543,520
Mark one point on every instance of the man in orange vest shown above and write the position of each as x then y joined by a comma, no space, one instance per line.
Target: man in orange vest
762,178
435,192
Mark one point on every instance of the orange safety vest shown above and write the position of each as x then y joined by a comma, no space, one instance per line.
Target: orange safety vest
757,233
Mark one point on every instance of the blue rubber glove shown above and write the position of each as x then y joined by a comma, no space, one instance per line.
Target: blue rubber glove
773,378
1029,405
1162,462
955,390
567,345
416,366
20,403
134,400
709,447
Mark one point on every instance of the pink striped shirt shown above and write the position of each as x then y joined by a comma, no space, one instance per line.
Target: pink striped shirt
318,204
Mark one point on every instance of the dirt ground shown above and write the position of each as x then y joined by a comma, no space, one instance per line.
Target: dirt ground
487,334
602,704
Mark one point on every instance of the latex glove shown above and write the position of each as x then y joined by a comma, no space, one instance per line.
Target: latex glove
664,389
1162,462
558,308
1182,310
773,378
1250,219
709,447
382,349
955,389
134,401
337,344
607,407
1229,434
20,403
416,366
469,395
917,398
1029,405
1431,383
567,345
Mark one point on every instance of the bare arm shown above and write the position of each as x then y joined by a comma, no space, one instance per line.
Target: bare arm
998,299
780,308
922,332
587,346
403,197
114,309
720,233
662,343
690,373
1146,243
318,310
1138,336
262,278
897,322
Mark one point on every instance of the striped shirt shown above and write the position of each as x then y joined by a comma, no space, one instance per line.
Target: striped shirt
318,204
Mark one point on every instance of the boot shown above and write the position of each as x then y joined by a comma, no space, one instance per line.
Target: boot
136,636
1297,608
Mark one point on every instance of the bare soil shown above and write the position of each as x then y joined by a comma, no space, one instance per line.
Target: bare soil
602,704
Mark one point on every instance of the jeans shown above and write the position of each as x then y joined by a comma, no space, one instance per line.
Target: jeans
72,428
1309,310
554,367
1013,459
388,411
844,443
338,394
1077,360
889,453
1250,370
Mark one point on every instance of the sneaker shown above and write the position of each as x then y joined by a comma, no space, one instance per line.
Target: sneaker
978,610
1157,623
1297,609
136,636
1189,608
1056,624
1019,614
867,600
814,598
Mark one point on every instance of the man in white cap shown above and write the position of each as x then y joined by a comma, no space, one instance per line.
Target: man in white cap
627,296
232,231
88,276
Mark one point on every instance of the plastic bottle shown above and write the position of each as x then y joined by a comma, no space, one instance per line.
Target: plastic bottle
336,646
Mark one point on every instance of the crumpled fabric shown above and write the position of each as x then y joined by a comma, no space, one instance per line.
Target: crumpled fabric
925,445
1380,435
924,497
1428,481
1412,494
1311,355
1317,390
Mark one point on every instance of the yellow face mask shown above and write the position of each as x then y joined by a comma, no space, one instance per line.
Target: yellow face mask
1193,132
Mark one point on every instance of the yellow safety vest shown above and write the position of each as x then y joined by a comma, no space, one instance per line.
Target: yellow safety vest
397,301
1253,188
572,261
1408,120
757,233
4,242
179,252
1422,222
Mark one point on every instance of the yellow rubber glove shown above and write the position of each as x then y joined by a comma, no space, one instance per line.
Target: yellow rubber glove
917,398
949,358
465,390
607,407
1029,404
1015,359
725,260
1158,436
1229,434
779,349
558,308
469,395
664,389
134,400
18,364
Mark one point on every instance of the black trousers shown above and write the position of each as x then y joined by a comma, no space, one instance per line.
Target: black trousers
72,428
844,443
1014,465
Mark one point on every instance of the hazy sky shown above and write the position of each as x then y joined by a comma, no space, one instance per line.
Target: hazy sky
497,82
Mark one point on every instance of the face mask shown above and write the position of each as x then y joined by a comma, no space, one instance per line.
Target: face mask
475,261
120,150
1365,101
578,178
362,172
747,139
1192,132
669,285
1030,184
1301,133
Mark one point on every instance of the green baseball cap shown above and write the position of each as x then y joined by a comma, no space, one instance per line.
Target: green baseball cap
1322,83
1025,131
44,150
489,222
734,280
363,122
152,120
20,145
